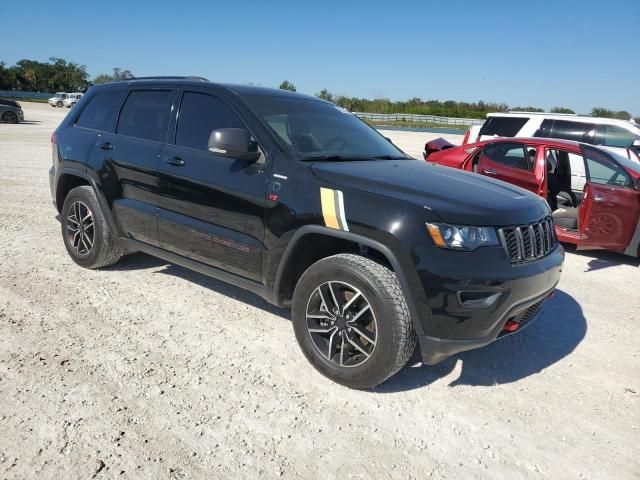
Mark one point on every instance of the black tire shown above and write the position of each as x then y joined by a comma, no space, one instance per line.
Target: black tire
99,249
59,104
10,117
395,338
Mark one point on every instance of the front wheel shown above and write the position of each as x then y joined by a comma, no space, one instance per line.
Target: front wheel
59,104
351,320
85,231
10,117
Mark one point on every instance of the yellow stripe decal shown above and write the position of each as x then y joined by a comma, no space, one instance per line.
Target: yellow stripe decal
329,208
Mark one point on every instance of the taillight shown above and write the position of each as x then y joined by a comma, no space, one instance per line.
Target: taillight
466,137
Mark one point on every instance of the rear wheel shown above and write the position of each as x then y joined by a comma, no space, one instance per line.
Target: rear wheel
59,104
85,231
351,320
10,117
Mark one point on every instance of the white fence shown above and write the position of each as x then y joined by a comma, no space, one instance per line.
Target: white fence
408,117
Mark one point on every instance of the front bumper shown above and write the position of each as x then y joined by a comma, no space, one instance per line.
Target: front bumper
467,297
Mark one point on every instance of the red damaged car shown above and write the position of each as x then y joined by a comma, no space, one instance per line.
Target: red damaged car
594,194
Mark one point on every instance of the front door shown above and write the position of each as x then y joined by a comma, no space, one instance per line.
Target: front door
212,208
610,204
510,162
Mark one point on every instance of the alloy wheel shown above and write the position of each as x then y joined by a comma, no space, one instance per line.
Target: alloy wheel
341,324
80,229
10,117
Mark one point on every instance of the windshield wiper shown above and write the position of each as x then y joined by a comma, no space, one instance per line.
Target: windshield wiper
389,157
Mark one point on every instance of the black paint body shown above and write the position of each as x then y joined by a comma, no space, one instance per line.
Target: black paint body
216,215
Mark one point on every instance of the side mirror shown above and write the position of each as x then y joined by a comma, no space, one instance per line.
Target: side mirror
234,143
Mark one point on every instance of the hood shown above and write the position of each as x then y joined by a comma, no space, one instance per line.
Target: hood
456,196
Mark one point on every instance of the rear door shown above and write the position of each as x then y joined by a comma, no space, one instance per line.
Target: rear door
127,162
610,204
511,162
212,208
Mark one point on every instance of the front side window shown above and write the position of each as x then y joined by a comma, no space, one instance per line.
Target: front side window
614,136
512,155
603,171
199,115
503,126
101,111
144,114
314,129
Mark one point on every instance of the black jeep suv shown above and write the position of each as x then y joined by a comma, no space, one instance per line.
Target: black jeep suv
299,201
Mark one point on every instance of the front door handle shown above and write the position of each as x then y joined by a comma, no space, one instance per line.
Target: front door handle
598,198
489,171
175,161
105,146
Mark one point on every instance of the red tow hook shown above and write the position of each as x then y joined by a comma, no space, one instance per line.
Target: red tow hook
551,294
511,326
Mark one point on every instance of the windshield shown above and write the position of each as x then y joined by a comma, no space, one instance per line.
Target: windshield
319,130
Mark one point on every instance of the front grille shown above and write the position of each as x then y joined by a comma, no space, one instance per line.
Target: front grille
525,243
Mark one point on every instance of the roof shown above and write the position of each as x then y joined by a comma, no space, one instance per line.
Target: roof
565,116
240,90
554,142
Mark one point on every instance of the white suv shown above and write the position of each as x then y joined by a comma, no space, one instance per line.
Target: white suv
72,99
58,99
611,134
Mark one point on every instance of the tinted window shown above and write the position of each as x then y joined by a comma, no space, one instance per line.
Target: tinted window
512,155
503,126
545,129
144,114
614,136
578,131
101,111
199,115
603,171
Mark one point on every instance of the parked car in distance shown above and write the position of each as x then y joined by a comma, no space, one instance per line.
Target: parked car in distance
299,201
10,111
58,99
609,133
72,99
594,193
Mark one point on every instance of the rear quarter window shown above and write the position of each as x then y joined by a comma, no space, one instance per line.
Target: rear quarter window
503,126
101,111
566,130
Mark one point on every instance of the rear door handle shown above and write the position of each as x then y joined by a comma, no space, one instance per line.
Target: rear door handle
105,146
490,171
176,161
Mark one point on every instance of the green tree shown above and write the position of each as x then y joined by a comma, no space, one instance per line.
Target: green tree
117,75
561,110
325,95
287,85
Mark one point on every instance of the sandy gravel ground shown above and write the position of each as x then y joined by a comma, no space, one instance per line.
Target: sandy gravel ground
147,370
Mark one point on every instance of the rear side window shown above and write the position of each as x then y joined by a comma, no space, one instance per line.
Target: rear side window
101,111
200,114
512,155
503,126
614,136
144,114
567,130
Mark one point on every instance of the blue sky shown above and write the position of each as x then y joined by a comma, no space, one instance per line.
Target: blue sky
543,53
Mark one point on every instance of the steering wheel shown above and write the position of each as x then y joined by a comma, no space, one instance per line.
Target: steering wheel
337,140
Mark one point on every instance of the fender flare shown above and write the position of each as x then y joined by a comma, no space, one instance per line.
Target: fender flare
356,238
102,202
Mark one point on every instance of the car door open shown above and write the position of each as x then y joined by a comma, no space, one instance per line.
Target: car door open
511,162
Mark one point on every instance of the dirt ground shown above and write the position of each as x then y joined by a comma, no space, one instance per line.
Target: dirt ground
148,370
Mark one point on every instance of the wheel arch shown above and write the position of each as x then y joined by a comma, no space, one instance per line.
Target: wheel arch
69,179
295,261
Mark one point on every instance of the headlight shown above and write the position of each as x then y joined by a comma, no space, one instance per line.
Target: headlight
458,237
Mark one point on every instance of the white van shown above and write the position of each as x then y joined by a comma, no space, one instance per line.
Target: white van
72,99
610,133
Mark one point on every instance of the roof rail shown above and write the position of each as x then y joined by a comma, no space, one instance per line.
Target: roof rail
541,113
170,77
